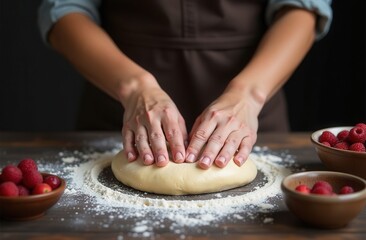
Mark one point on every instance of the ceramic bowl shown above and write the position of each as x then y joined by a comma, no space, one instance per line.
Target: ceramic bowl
32,206
337,159
324,211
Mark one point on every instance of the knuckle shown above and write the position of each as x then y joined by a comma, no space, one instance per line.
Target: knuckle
216,138
201,135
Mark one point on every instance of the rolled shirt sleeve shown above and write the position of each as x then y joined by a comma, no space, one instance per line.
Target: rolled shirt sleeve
322,8
50,11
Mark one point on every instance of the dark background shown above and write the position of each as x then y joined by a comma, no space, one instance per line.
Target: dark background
39,90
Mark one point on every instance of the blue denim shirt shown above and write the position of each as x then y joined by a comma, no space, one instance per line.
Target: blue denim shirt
51,11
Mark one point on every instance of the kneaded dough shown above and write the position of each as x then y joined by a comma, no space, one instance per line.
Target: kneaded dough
181,178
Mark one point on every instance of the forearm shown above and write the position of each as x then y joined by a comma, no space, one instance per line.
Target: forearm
95,56
279,53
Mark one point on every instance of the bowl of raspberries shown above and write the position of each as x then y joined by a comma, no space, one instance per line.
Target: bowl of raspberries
324,199
342,149
25,192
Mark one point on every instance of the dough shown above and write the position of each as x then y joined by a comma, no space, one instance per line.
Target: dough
181,178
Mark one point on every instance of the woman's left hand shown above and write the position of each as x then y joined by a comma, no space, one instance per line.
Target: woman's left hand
226,128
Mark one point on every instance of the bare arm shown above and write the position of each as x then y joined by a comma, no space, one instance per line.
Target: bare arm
151,118
230,123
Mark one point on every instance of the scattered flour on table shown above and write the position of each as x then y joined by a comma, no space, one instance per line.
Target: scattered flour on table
81,170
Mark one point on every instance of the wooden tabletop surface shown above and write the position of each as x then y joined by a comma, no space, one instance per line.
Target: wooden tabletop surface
64,222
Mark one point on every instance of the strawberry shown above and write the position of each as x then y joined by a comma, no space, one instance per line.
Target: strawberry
11,173
9,189
31,179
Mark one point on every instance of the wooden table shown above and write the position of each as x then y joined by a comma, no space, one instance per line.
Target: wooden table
63,223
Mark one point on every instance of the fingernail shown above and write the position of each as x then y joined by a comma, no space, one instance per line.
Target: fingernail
239,161
179,156
190,157
206,161
130,156
221,160
148,158
161,158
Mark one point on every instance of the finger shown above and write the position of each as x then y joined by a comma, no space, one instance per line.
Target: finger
214,145
199,138
158,144
228,150
143,147
128,140
175,138
244,150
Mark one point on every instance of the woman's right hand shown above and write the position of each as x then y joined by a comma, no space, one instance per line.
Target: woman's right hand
151,120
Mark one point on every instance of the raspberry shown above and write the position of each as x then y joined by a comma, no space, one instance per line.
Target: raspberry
329,137
362,125
346,190
342,145
357,134
326,144
323,184
27,164
8,189
31,179
11,173
321,191
357,147
23,191
342,135
303,188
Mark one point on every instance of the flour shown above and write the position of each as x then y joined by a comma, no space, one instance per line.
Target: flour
101,198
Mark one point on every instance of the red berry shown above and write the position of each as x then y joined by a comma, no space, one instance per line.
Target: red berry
346,190
329,137
9,189
324,184
357,134
321,191
342,135
362,125
11,173
41,188
326,144
27,164
303,188
23,191
53,181
357,147
31,179
342,145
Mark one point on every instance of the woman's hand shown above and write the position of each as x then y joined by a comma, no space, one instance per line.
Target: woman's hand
227,128
152,120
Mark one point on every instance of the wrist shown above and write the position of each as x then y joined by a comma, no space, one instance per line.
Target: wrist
135,83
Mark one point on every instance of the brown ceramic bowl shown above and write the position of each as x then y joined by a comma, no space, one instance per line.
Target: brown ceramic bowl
30,207
337,159
322,211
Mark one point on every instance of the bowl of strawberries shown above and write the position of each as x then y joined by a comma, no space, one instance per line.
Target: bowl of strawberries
324,199
342,149
26,193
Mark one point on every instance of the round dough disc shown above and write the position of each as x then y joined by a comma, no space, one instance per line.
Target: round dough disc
181,178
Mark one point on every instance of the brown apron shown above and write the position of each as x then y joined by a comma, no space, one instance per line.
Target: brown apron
192,47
